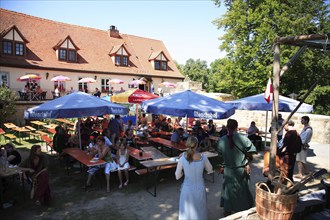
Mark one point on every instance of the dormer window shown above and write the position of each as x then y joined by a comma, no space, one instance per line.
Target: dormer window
7,47
119,55
13,42
66,50
62,55
159,61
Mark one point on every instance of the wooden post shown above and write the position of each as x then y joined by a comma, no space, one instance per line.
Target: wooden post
276,86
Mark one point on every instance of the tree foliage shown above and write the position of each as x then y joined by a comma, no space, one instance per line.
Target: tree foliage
7,99
196,70
250,29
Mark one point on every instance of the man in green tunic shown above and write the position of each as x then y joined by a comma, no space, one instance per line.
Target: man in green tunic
235,151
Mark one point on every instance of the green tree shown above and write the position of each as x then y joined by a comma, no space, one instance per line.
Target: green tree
7,99
197,71
250,29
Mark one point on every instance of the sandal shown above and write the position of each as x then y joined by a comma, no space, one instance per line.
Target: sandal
126,183
120,186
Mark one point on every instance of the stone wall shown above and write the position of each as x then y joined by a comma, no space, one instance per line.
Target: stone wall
320,123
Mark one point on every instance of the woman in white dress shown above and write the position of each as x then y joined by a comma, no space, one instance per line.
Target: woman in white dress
193,193
123,165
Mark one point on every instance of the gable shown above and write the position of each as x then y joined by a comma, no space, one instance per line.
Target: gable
14,34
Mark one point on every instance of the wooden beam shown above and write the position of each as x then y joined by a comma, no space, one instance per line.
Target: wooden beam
293,39
276,87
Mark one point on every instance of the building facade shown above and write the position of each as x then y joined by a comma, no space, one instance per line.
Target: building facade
32,45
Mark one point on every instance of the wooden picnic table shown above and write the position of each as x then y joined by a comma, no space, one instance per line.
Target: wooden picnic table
167,143
20,130
155,153
10,125
153,168
30,128
135,153
83,157
65,121
39,123
51,126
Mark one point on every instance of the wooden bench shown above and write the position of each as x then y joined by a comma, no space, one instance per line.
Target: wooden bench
152,176
2,132
49,143
131,168
145,170
35,135
140,143
42,133
11,137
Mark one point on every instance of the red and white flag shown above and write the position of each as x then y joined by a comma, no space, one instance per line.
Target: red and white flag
269,90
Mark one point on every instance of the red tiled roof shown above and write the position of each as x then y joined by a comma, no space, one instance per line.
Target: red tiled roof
95,46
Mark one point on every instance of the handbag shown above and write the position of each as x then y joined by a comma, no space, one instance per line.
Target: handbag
35,183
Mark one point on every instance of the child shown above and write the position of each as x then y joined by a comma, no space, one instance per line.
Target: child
123,157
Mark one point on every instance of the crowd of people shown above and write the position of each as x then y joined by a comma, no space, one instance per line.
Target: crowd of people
235,150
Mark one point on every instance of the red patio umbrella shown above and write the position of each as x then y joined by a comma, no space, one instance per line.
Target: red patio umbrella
136,96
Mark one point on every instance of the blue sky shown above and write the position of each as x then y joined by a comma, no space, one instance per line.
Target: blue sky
185,27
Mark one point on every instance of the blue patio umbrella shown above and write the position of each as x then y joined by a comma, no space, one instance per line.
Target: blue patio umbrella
189,104
74,105
258,102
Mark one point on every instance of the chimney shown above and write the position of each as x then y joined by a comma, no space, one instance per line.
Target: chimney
113,32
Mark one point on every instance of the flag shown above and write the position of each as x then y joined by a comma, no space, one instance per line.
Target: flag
268,91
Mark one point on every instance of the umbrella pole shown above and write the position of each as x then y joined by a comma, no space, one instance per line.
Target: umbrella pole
186,123
136,114
79,136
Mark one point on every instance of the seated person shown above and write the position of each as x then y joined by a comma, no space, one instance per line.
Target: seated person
177,136
252,135
129,135
97,93
157,125
142,131
223,131
211,127
13,156
201,134
170,124
35,168
164,125
103,152
123,165
60,139
205,145
196,126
